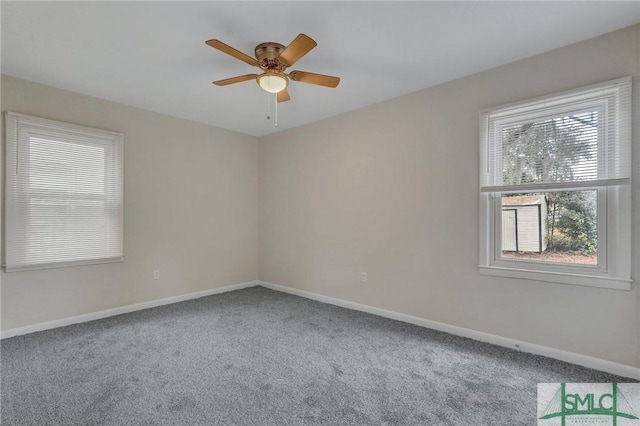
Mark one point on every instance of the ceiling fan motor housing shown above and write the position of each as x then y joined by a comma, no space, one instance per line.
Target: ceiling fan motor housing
267,56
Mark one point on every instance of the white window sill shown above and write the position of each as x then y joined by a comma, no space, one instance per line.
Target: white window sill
62,264
557,277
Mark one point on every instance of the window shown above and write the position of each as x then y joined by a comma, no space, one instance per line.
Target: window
63,194
555,196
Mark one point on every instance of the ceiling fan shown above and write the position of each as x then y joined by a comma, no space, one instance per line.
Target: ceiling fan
273,59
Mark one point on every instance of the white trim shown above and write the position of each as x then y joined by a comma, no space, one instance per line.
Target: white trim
560,98
56,265
63,125
571,357
556,277
547,187
121,310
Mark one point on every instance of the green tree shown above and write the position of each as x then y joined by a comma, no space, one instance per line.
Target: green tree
576,220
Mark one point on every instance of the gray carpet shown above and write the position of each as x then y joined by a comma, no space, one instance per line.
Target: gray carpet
261,357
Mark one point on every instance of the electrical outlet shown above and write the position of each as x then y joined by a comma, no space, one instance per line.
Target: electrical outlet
363,277
156,274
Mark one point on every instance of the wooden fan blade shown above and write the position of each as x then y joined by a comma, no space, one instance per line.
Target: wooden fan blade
217,44
299,47
311,78
283,96
237,79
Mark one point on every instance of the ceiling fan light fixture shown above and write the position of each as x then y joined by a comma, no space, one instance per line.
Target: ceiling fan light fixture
273,59
273,83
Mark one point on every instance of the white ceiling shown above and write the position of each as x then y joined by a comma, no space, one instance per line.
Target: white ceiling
152,55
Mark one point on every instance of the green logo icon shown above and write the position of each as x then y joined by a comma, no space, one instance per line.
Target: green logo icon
613,405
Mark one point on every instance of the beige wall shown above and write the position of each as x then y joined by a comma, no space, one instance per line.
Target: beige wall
392,189
190,210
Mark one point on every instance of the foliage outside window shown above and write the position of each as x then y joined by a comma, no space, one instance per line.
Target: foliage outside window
555,196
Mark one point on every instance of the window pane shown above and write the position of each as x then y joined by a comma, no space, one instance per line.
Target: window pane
558,226
66,230
552,150
72,168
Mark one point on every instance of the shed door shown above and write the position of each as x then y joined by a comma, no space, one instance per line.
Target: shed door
509,230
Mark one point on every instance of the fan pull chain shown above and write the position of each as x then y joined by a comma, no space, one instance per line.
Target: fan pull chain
268,107
275,98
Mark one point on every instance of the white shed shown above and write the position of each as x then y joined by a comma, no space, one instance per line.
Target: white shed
524,223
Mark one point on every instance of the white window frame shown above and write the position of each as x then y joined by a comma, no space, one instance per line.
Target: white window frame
613,269
18,130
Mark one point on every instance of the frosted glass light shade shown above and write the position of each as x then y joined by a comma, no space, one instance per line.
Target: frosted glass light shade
272,83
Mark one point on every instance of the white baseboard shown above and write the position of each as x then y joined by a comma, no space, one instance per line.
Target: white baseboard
571,357
121,310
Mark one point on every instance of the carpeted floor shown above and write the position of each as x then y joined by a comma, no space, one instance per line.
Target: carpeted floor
261,357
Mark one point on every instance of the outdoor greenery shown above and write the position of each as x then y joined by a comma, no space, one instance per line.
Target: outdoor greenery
572,221
552,151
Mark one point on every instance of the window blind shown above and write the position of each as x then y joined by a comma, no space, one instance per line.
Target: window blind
63,196
577,139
